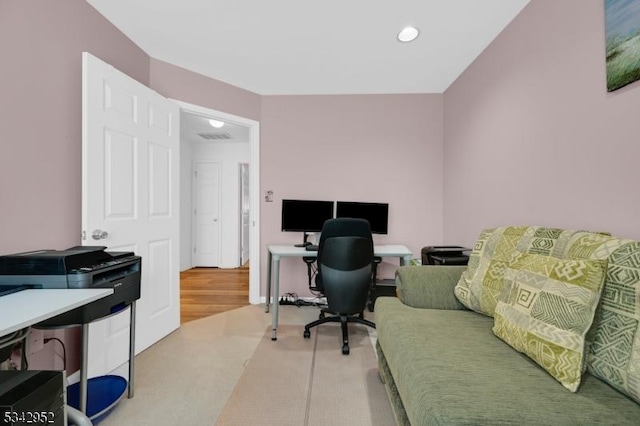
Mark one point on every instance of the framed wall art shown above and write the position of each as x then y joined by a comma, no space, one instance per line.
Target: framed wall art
622,28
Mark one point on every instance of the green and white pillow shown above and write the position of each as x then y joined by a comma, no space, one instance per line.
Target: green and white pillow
480,285
614,351
546,308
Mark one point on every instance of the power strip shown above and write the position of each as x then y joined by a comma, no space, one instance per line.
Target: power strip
299,302
288,299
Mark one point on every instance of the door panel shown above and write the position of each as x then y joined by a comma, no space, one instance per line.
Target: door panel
130,189
160,181
206,214
159,255
120,172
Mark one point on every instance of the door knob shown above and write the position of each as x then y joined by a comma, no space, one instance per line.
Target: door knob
99,234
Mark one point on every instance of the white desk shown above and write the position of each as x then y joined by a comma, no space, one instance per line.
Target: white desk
278,251
25,308
28,307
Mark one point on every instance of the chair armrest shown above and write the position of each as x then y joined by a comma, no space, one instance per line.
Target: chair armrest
429,287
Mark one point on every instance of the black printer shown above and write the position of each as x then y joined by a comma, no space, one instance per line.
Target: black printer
74,268
445,255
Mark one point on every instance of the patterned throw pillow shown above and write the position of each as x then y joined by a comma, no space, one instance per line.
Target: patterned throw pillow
613,352
546,308
481,284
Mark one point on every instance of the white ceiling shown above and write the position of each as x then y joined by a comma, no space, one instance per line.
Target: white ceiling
326,47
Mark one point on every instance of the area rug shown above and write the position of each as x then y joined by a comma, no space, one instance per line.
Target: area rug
296,381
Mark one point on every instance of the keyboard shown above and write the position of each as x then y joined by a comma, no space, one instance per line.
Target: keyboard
311,247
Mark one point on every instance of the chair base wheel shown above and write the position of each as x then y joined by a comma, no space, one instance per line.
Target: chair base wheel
345,350
306,334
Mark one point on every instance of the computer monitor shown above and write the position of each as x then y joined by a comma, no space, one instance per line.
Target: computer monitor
305,216
376,213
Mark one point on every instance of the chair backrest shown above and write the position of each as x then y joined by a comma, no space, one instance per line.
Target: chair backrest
343,227
345,263
340,227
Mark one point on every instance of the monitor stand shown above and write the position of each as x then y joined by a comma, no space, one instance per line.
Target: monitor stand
304,241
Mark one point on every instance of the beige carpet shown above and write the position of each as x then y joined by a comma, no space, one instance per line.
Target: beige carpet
297,381
188,377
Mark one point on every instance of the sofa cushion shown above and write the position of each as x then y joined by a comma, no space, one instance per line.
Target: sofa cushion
480,285
450,369
613,352
546,308
428,286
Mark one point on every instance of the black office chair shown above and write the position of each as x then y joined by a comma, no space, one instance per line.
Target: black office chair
345,265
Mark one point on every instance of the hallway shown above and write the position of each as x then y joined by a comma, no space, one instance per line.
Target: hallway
209,291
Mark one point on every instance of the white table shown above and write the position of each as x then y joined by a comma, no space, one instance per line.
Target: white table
25,308
276,252
28,307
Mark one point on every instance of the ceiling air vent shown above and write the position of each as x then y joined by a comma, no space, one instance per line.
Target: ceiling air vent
215,136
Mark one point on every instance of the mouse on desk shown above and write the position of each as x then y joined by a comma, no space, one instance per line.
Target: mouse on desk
311,247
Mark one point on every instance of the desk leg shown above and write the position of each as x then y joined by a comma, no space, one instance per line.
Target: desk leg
276,292
83,368
132,347
268,296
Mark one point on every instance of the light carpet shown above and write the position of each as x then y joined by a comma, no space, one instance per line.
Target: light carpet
188,377
297,381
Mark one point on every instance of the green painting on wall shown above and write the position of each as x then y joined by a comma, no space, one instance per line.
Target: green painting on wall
622,27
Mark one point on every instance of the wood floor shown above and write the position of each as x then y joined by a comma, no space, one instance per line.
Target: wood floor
209,291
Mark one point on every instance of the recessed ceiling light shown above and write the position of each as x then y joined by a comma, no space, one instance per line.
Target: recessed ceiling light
408,34
215,123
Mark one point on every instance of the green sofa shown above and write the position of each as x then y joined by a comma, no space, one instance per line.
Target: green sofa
442,363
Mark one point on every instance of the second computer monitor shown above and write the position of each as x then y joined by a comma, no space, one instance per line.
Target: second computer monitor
376,213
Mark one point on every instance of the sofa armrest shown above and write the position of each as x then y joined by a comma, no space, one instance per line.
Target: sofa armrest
429,287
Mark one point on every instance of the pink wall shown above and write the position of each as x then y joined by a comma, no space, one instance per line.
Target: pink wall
187,86
40,115
40,118
374,148
531,135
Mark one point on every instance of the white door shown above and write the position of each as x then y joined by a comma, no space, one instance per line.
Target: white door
245,213
130,165
206,214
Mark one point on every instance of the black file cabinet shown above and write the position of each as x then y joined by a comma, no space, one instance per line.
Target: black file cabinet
445,255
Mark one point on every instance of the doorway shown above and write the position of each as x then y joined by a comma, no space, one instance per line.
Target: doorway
234,143
209,291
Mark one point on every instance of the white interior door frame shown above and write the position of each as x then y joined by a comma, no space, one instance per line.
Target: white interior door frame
254,179
245,221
